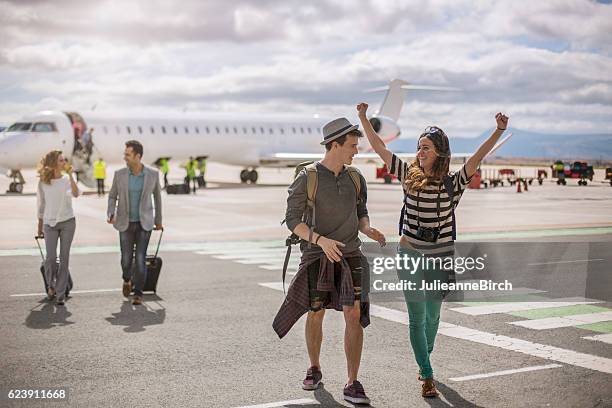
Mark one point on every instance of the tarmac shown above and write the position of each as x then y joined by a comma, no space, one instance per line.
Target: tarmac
205,338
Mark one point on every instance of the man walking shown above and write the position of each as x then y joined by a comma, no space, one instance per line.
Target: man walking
132,213
333,272
99,171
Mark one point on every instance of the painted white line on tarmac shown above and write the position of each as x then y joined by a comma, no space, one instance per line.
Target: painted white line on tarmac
520,306
606,338
565,262
281,403
567,321
72,292
505,372
552,353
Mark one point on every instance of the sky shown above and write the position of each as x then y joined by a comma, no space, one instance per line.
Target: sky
547,64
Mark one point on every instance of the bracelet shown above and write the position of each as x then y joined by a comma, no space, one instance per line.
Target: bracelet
498,128
317,240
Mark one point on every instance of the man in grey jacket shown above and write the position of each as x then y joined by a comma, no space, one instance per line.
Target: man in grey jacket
131,211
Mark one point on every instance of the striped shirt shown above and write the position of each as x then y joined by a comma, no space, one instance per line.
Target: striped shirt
430,208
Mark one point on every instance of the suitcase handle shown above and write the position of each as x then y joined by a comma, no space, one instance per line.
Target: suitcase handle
36,238
161,234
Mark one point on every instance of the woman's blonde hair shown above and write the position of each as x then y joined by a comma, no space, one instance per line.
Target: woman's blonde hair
415,179
47,165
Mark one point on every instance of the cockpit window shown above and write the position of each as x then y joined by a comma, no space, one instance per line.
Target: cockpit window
44,127
19,127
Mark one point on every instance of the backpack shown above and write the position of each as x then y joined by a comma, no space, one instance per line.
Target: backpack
309,217
450,190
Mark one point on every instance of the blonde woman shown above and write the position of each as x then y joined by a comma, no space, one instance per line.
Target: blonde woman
427,224
56,218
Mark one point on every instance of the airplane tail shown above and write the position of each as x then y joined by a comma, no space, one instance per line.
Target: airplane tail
394,100
396,93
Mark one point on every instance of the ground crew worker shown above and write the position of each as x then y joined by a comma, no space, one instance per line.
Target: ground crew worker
203,171
100,175
190,168
164,168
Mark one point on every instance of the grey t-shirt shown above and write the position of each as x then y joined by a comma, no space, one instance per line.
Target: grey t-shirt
337,212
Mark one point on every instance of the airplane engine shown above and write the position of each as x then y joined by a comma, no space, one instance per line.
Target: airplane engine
386,127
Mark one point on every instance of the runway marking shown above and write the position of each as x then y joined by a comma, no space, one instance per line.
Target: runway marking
520,306
544,351
606,338
72,292
565,262
567,321
281,403
505,372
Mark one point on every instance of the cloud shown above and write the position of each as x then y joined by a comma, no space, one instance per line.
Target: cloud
540,61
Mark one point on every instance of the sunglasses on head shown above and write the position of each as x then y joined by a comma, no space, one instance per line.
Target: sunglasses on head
433,130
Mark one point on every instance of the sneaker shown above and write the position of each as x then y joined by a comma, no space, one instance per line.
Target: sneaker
429,388
59,301
313,379
355,393
50,293
137,300
127,288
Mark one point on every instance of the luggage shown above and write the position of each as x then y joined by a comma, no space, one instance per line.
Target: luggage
177,189
153,265
201,182
55,269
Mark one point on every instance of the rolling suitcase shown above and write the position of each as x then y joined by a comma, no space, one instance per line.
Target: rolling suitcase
153,265
56,267
177,189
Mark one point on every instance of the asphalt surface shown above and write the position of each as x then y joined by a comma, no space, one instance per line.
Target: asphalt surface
205,339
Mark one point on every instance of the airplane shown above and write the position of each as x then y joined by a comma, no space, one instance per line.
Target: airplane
250,141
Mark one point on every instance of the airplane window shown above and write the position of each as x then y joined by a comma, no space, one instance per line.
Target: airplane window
309,130
254,130
235,130
197,130
186,129
152,130
140,129
207,130
293,130
226,129
262,130
129,130
217,128
163,129
44,127
244,130
19,127
118,129
175,129
282,131
302,130
271,131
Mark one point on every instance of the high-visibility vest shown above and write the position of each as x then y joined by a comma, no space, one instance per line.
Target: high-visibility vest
203,166
190,167
99,171
164,166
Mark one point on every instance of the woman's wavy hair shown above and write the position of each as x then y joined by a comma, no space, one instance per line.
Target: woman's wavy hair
47,165
416,180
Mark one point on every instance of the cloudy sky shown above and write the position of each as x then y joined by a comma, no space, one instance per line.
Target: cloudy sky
547,63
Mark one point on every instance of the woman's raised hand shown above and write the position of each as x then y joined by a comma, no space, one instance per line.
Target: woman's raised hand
362,109
502,121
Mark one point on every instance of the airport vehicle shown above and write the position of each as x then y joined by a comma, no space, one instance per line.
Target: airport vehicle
609,174
582,171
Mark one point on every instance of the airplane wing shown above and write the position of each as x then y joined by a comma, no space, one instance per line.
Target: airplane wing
293,159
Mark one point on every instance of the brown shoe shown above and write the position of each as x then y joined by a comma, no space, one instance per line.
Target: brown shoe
429,388
50,293
137,300
127,288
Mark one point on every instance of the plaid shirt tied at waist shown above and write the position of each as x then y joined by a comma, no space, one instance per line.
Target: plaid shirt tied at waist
297,301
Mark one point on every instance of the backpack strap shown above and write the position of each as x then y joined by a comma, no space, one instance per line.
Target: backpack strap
356,179
312,182
449,186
